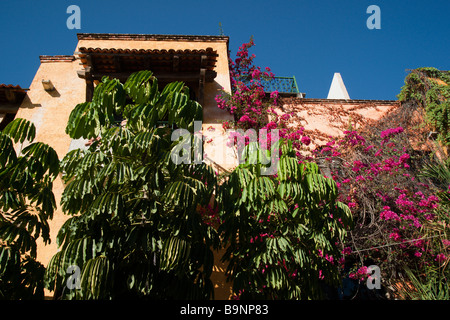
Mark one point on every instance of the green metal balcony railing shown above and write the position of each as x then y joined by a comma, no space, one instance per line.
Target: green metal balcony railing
281,84
284,85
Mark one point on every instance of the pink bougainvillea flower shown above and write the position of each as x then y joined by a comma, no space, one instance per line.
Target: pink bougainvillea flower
440,257
271,125
306,140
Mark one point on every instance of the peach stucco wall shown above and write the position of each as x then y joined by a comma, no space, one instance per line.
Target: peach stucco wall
330,118
49,111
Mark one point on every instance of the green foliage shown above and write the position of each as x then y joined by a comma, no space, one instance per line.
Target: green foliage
430,89
432,281
135,231
26,204
438,171
282,231
431,285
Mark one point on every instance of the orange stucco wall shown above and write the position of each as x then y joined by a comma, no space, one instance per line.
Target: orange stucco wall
50,112
324,118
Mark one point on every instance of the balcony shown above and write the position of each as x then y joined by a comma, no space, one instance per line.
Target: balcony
286,86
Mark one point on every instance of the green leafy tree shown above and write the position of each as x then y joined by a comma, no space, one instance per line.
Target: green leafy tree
135,230
429,89
26,204
283,231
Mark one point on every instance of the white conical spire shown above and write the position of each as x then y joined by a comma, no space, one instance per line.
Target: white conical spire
337,88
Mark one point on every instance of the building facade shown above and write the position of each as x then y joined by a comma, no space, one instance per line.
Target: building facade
63,81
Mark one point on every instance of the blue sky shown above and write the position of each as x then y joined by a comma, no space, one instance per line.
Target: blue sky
308,39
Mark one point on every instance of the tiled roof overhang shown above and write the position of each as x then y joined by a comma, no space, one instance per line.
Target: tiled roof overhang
172,64
11,94
151,37
11,97
10,87
57,58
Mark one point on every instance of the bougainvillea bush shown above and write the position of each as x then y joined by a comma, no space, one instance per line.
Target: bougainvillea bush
400,214
252,107
247,101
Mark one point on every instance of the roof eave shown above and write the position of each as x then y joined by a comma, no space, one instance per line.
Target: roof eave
151,37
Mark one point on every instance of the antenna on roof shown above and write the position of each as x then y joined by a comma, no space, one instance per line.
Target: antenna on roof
337,88
220,29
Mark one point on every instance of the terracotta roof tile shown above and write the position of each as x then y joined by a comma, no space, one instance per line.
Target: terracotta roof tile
57,58
207,51
10,86
104,60
153,37
11,94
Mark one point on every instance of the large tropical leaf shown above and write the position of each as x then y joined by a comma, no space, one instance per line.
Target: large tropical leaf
175,252
136,229
26,204
96,278
20,130
275,226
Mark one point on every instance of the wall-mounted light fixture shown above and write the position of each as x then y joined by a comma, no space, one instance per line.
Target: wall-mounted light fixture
48,85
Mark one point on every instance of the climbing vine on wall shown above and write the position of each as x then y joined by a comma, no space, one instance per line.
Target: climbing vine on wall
429,88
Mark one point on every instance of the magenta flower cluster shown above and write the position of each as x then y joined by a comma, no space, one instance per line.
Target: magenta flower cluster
250,105
382,171
247,100
405,209
361,274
